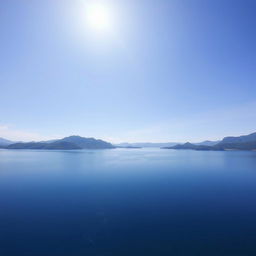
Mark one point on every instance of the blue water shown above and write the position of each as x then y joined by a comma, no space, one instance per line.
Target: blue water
127,202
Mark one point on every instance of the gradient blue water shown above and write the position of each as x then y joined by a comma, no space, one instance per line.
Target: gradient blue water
127,202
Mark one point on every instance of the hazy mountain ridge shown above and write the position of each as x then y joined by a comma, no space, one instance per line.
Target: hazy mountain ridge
67,143
88,143
41,145
245,142
161,144
5,142
146,144
207,143
240,139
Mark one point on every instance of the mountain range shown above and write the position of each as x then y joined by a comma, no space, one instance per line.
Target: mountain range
207,143
4,142
245,142
67,143
161,144
146,144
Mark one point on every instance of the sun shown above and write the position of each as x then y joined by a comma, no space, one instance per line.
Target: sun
98,17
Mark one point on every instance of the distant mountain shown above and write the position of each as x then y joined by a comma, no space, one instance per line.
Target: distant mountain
26,145
250,145
146,144
207,143
241,139
68,143
183,146
190,146
162,144
247,142
62,145
40,145
88,143
4,142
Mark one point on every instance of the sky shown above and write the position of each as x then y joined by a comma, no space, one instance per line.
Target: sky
157,71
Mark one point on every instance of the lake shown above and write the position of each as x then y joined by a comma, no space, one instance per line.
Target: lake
127,202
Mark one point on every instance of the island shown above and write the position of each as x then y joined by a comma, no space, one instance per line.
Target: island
67,143
245,142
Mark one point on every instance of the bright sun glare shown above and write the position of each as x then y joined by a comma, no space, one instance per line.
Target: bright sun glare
98,17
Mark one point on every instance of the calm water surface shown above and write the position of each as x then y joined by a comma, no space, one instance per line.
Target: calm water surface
127,202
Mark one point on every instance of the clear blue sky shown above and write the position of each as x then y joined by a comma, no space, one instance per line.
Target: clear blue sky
177,70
